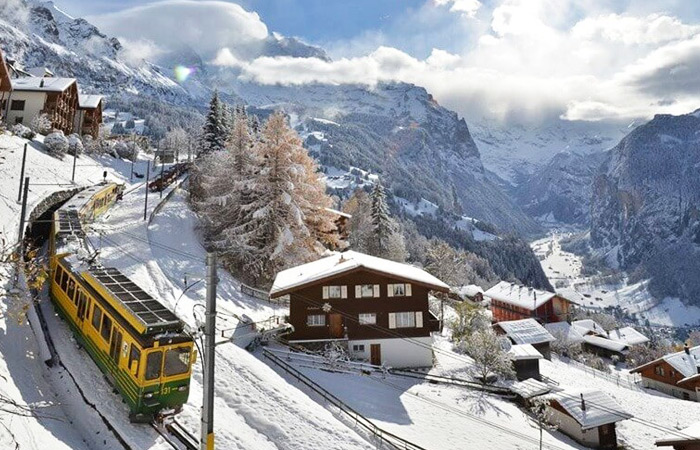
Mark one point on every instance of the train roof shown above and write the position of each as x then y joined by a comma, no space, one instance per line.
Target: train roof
145,313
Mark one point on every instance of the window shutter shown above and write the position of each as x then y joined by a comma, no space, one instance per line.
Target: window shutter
376,290
389,290
408,290
358,291
392,320
325,292
419,319
343,292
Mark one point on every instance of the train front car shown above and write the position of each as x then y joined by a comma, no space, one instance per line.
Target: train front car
140,345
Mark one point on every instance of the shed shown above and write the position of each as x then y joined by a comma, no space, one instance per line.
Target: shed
527,331
530,388
605,347
526,361
587,416
686,439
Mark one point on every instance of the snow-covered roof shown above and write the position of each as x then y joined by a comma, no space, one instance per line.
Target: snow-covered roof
530,388
589,325
600,407
686,363
565,329
339,213
526,331
339,263
599,341
469,290
40,71
89,101
628,335
522,296
42,84
524,351
686,436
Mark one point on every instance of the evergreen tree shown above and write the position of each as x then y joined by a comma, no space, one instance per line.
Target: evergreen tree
386,240
214,130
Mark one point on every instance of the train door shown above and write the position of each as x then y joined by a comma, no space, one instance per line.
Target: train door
115,347
82,308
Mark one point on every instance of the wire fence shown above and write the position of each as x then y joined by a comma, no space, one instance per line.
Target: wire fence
629,380
384,439
264,295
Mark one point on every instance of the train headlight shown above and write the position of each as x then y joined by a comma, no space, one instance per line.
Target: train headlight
148,395
182,388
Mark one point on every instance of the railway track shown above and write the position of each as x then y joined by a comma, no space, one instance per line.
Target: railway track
177,435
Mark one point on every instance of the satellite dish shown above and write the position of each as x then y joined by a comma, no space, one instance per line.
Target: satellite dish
505,343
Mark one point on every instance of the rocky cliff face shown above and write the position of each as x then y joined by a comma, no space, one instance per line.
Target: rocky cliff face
646,204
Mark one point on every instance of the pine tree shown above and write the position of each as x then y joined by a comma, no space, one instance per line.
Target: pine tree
386,240
214,130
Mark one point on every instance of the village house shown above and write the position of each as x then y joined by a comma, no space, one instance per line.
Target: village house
5,85
511,301
676,374
32,96
341,222
526,361
608,343
686,439
526,331
377,307
528,389
88,117
470,292
587,416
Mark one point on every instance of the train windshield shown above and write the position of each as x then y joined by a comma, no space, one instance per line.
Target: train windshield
177,361
153,363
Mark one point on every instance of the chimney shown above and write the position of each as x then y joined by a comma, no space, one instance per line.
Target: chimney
583,403
686,349
41,83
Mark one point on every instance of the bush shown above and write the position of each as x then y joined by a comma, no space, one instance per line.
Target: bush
56,143
22,131
41,124
75,144
595,362
127,150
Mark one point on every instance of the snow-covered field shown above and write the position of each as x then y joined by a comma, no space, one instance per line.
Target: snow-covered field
564,272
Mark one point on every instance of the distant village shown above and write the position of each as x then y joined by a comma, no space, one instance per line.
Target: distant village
384,313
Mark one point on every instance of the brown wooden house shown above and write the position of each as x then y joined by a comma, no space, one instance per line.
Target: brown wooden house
676,374
5,85
509,301
88,117
32,96
587,416
378,308
526,331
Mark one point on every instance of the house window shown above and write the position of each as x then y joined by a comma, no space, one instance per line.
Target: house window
335,292
316,320
367,291
409,319
358,348
368,318
399,290
659,370
17,105
19,119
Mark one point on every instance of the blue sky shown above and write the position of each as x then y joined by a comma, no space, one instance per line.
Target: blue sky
571,59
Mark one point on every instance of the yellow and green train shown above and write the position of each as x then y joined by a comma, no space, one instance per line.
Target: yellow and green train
140,345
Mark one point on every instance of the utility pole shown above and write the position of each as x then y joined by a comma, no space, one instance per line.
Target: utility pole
131,175
21,174
145,205
206,441
162,163
21,217
75,158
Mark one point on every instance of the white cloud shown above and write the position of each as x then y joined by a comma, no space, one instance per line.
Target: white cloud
467,8
206,25
652,29
136,51
225,58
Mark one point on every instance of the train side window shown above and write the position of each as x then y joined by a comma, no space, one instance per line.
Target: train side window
134,359
71,290
64,282
106,331
177,361
153,362
58,274
96,318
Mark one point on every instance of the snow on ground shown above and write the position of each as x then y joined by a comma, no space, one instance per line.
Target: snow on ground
436,417
564,271
656,414
255,408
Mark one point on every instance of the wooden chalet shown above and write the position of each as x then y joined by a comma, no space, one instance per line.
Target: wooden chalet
676,374
341,222
526,331
686,439
595,339
378,308
32,96
470,292
88,117
509,301
587,416
526,361
5,85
